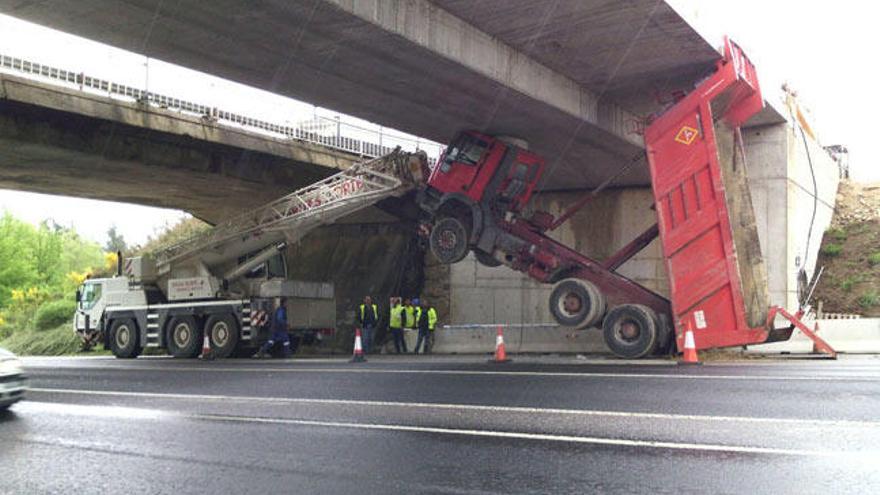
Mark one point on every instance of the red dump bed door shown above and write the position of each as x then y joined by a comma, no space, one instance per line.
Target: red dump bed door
693,216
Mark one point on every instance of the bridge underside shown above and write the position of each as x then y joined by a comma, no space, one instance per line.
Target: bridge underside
570,76
60,141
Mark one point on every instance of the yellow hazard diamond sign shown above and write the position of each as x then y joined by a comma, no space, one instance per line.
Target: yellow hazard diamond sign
686,135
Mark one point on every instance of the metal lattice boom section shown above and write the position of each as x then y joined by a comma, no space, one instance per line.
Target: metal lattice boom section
294,215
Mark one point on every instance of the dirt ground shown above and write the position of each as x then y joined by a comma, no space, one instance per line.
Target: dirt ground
850,253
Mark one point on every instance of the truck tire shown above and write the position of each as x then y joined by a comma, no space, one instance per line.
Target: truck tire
576,303
124,339
486,259
449,240
630,330
222,331
664,345
183,337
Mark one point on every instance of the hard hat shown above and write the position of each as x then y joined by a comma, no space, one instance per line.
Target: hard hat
415,301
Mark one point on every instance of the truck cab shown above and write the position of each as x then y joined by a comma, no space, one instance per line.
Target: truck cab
95,295
479,181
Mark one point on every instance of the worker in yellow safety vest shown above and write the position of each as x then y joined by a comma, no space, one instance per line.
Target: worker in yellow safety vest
368,318
395,323
409,313
432,324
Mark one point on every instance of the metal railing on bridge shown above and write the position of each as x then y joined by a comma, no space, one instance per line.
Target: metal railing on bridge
330,132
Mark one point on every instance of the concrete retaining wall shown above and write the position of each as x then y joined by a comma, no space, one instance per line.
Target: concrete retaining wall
549,338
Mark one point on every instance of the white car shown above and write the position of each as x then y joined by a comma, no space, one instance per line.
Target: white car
13,382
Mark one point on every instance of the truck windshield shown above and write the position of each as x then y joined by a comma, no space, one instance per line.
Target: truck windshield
466,149
91,293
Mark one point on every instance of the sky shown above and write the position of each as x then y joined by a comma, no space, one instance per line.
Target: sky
822,50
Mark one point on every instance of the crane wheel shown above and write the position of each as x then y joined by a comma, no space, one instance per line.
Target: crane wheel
449,240
222,332
576,303
631,330
124,339
184,339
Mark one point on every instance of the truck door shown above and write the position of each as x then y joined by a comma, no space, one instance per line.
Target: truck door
459,165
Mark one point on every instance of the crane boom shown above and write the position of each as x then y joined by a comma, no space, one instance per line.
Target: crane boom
291,217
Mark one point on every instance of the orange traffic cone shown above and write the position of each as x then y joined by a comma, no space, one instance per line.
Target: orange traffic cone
500,352
358,356
206,348
689,356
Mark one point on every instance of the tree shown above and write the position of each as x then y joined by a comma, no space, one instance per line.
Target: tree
115,241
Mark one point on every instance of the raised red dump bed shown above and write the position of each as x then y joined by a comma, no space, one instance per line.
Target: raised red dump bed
718,283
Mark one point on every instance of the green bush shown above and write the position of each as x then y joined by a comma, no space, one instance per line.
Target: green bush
849,282
832,249
874,259
54,313
869,299
838,234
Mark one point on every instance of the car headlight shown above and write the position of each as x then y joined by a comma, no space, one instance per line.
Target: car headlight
10,367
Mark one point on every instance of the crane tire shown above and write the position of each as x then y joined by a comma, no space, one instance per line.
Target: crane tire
184,338
222,331
124,339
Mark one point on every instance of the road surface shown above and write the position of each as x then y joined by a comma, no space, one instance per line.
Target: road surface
443,425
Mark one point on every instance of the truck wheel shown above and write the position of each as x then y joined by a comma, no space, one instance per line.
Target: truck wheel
630,330
576,303
222,332
449,240
124,339
183,338
664,345
486,259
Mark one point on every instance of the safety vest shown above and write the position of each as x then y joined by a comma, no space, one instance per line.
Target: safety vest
411,320
432,318
375,313
395,318
417,314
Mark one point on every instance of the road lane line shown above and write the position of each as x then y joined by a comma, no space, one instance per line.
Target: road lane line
122,412
293,369
619,442
464,407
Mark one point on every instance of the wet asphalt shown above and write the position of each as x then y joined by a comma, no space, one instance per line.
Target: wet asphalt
452,424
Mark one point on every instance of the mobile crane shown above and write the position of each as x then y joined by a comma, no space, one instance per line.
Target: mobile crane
213,283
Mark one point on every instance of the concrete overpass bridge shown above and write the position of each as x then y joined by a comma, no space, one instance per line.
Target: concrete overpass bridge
571,77
76,135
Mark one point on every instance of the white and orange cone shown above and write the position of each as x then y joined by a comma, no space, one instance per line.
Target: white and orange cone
358,355
689,356
500,352
206,348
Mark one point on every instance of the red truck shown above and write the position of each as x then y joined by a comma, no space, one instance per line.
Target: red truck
476,196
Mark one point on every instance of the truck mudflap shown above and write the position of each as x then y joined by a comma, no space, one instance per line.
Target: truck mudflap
705,217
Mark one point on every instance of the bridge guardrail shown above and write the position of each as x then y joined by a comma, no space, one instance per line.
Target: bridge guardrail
332,133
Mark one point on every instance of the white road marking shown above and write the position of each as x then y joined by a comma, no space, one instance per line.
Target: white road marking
464,407
619,442
586,374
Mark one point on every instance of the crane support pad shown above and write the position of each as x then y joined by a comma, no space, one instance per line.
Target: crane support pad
718,283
